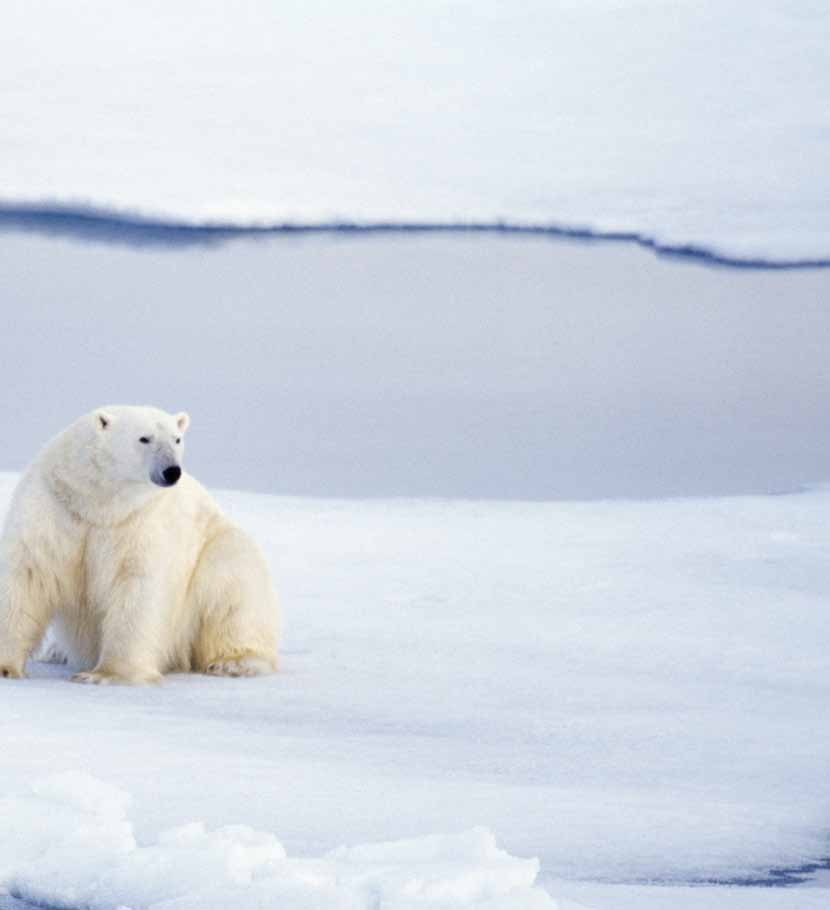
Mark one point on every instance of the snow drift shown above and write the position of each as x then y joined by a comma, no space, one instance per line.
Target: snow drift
72,845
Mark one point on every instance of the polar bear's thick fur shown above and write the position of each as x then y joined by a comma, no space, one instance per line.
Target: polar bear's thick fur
130,560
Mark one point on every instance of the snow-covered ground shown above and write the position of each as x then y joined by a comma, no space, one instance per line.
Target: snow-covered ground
499,704
629,692
73,845
695,121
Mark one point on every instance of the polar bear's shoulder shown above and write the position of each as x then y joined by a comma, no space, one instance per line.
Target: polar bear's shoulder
190,506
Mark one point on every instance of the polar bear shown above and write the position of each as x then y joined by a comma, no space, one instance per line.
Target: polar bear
130,560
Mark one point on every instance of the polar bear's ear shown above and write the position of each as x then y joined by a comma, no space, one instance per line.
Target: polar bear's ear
103,420
182,421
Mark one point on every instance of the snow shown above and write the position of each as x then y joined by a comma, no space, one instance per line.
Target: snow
627,897
627,691
483,703
72,846
696,122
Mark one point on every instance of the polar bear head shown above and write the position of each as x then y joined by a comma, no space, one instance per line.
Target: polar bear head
139,444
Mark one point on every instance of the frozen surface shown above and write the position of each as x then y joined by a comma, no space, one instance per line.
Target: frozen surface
626,897
696,122
454,366
627,691
72,845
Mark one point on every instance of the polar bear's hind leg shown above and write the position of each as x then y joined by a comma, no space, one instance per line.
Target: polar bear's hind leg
238,616
248,665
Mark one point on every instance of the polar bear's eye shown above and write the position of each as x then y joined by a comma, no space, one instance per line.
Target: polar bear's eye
145,439
178,439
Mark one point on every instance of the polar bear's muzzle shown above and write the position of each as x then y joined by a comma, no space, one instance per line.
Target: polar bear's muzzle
168,477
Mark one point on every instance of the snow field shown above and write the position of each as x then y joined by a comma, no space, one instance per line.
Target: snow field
696,122
628,691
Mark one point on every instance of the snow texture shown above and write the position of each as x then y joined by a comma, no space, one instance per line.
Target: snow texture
627,691
650,897
71,845
698,122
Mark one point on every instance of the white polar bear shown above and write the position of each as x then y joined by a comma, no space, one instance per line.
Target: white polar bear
130,560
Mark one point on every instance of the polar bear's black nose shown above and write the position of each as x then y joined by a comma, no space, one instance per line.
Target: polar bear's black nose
171,474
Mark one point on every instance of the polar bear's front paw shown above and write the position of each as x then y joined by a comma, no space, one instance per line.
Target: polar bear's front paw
239,666
9,671
104,678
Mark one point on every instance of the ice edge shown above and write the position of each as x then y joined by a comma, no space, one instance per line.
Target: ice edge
95,224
